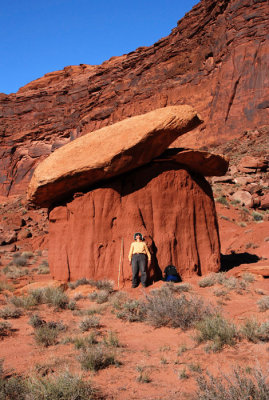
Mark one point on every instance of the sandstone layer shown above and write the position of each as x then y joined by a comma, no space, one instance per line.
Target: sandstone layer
90,236
216,59
108,152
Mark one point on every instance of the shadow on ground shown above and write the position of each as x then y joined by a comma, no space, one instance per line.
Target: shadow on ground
229,261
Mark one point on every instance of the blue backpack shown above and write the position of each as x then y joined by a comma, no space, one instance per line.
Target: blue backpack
171,274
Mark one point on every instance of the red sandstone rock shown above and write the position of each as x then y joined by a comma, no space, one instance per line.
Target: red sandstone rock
173,210
108,152
216,59
252,163
265,202
202,162
244,197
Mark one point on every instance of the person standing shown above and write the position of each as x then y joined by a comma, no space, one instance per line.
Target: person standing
138,255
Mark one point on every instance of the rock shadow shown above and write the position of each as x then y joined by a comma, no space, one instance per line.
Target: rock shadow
229,261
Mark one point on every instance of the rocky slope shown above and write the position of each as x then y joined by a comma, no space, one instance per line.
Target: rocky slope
216,60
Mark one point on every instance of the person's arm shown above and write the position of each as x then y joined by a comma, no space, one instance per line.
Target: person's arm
147,252
131,252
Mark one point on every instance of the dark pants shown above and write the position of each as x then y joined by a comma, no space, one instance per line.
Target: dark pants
139,262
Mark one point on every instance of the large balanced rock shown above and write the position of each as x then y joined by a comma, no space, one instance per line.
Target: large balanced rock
90,236
108,152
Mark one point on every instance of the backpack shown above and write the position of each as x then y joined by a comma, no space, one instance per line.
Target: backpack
171,274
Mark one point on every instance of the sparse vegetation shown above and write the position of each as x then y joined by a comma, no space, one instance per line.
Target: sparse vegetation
143,375
218,331
5,328
111,339
263,303
208,280
257,216
88,323
10,312
43,268
47,334
100,297
248,277
254,331
97,357
13,272
163,308
132,311
238,385
5,286
222,200
178,287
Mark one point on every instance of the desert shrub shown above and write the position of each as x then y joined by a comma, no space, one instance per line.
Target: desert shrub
238,385
143,375
263,303
220,292
111,339
165,309
248,277
35,321
89,311
13,388
132,311
118,299
100,297
208,280
105,284
5,328
5,286
97,357
218,331
61,387
85,341
51,296
13,272
257,216
72,305
23,301
80,282
254,331
43,268
10,312
46,335
222,200
179,287
19,260
88,323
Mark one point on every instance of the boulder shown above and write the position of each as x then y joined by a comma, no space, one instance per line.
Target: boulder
249,163
108,152
90,236
202,162
265,202
223,179
244,197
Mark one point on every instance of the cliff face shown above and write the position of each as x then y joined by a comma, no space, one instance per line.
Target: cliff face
216,60
173,208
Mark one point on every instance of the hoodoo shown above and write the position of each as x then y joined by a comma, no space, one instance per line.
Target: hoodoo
103,187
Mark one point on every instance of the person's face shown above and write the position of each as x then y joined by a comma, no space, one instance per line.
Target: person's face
137,238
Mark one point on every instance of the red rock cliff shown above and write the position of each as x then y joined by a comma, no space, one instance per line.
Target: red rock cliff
216,60
173,208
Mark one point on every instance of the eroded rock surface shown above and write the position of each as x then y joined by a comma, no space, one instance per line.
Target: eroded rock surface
173,209
216,60
108,152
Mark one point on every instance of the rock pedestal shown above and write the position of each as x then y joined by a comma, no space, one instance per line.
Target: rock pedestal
173,208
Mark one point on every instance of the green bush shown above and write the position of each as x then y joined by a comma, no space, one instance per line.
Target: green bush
257,216
217,330
85,341
239,385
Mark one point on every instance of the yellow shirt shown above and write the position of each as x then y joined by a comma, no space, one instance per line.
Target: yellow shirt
139,247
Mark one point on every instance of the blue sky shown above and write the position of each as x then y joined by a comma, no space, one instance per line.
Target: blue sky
40,36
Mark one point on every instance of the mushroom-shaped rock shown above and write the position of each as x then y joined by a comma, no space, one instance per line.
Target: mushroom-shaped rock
108,152
202,162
